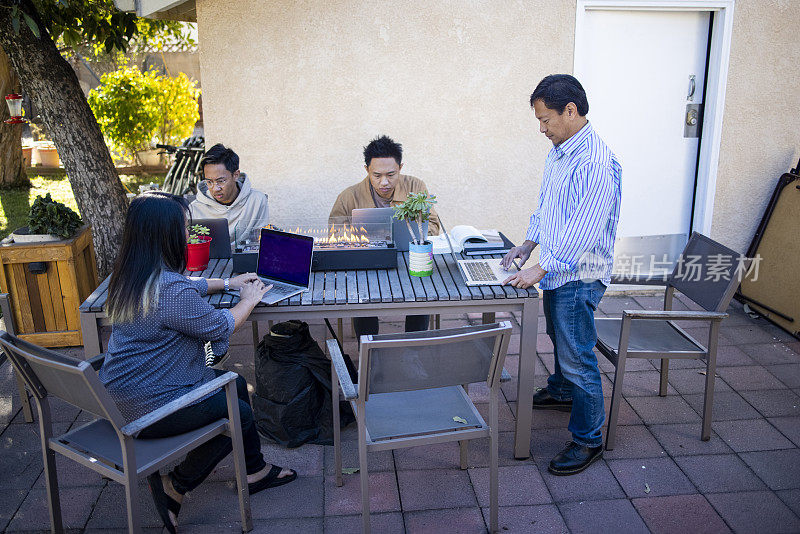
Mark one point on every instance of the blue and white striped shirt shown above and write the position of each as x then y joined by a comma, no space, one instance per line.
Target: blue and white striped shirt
575,221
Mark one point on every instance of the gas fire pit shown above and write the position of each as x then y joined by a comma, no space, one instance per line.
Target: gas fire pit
338,246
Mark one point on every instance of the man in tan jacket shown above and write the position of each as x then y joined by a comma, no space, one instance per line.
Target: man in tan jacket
383,187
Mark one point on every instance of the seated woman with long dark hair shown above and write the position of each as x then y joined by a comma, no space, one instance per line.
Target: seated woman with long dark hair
160,324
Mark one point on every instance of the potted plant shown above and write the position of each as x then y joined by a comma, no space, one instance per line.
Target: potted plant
198,248
417,208
48,220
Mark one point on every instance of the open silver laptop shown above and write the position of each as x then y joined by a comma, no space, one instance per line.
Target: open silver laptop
484,272
284,260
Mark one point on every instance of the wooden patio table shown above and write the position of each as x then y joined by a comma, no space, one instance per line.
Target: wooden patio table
370,292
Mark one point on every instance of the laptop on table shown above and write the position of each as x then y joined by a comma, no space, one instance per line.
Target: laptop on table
485,272
284,260
220,237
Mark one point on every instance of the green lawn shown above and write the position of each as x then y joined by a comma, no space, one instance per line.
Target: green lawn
15,203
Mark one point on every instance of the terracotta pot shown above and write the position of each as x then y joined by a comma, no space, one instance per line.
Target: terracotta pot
48,156
27,154
197,254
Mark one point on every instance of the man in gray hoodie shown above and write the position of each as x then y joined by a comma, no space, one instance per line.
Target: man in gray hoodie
226,193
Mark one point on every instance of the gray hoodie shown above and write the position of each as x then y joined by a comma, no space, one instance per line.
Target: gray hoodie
248,211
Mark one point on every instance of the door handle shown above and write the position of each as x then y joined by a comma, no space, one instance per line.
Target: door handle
692,86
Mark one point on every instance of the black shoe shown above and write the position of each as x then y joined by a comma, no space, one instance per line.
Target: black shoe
542,400
574,459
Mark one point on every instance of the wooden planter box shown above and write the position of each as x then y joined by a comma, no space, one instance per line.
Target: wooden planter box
45,305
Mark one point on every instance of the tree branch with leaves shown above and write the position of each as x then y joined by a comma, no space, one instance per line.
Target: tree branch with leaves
29,32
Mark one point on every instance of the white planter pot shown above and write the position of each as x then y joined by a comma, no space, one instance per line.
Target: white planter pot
22,235
150,158
420,259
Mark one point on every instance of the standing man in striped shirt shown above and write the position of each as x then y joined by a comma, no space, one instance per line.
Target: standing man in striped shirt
575,223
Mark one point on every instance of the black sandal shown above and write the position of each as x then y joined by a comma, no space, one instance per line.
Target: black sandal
164,503
271,480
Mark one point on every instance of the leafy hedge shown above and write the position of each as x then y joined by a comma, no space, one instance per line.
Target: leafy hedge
135,108
50,217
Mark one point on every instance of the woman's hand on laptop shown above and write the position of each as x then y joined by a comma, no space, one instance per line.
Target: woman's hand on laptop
252,291
238,281
250,295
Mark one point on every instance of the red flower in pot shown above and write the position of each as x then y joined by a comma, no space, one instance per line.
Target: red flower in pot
198,248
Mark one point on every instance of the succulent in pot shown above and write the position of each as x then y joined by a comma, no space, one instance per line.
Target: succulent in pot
417,208
198,247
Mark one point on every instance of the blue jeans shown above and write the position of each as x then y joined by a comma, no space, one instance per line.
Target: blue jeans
569,314
201,461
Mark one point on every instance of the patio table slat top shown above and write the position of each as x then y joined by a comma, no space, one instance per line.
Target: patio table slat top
356,286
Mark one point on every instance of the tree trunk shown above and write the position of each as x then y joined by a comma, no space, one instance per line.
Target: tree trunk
12,168
56,93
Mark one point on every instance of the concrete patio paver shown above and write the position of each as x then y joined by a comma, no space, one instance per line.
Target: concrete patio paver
719,473
752,435
455,520
538,518
760,511
618,516
436,488
680,513
641,477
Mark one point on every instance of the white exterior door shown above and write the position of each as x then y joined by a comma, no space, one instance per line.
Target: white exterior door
636,67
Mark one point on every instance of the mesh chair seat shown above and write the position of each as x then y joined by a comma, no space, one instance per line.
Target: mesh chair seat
646,336
99,439
420,412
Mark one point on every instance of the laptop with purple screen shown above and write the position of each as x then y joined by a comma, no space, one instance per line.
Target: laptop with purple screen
284,260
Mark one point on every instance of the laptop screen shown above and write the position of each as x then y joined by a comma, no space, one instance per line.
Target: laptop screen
285,257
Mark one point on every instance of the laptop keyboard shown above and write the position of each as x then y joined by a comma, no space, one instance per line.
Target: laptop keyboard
280,290
480,271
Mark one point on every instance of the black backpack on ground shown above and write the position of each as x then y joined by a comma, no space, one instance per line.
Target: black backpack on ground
292,401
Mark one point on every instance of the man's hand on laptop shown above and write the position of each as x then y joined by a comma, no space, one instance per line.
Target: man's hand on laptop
526,277
253,291
523,252
238,281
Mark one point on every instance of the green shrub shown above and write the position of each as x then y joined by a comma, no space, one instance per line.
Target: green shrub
135,108
177,107
50,217
125,107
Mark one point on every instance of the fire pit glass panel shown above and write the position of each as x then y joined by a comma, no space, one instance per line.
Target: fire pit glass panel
338,244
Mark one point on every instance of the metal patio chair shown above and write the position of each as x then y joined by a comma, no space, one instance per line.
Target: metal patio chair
8,320
708,273
108,445
410,392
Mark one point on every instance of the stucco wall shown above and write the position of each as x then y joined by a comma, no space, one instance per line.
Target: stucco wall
761,126
298,88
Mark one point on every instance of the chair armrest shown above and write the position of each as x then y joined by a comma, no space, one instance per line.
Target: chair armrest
97,361
638,280
348,389
136,426
684,315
